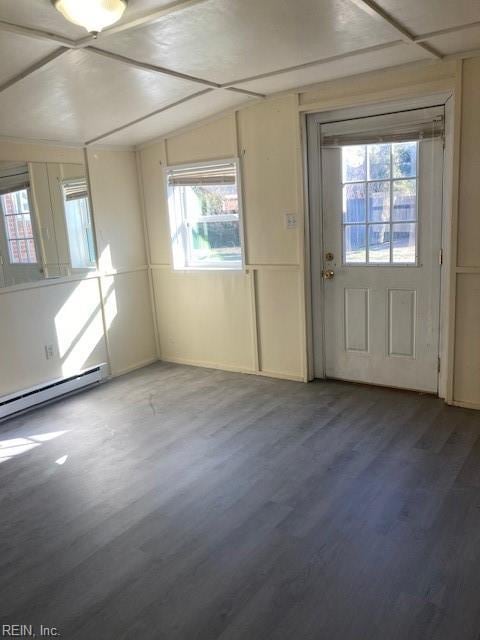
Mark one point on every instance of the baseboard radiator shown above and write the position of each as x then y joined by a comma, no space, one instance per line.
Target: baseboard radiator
22,401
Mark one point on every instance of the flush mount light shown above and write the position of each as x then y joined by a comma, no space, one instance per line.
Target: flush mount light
94,15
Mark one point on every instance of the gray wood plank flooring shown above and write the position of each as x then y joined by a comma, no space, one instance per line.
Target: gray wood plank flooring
200,505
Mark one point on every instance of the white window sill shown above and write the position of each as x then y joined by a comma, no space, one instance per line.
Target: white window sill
240,267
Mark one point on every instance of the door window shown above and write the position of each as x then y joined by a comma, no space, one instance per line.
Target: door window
380,218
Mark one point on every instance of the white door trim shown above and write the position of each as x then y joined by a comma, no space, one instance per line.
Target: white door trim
314,220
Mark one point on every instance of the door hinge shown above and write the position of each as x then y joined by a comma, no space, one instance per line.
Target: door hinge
440,256
438,366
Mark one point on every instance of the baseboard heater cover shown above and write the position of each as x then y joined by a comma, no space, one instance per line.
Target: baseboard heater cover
23,400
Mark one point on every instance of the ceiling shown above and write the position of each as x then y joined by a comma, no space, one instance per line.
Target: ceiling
167,63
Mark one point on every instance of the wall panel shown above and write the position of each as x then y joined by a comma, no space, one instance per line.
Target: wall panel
152,165
279,321
467,339
268,139
117,209
129,320
469,192
67,316
212,140
205,318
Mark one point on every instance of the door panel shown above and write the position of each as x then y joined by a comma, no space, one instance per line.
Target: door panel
402,317
356,312
381,247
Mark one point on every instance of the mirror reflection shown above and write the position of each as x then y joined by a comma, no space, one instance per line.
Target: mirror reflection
46,226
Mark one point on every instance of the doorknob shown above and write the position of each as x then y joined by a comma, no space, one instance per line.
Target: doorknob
328,274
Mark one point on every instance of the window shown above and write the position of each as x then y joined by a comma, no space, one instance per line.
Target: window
205,215
79,224
380,222
18,226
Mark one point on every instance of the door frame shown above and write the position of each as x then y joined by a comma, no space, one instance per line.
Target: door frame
314,221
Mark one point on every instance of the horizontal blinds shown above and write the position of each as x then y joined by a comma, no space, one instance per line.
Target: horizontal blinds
16,182
75,189
213,174
419,124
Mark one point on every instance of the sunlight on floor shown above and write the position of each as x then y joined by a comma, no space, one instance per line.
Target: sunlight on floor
16,446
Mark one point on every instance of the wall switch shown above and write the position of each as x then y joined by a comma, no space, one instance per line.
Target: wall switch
291,220
49,351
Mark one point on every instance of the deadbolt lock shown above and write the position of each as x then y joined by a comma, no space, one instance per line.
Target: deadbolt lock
328,274
329,256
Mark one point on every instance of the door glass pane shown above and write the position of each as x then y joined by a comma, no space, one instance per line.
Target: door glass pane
354,242
354,202
378,161
404,240
379,201
379,243
404,159
354,165
404,200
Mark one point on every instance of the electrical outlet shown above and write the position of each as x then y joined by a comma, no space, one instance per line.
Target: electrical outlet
291,220
49,351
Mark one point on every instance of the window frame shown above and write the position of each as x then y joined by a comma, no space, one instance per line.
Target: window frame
181,255
367,224
17,239
94,264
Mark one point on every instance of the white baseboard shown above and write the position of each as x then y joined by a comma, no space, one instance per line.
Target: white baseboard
134,367
232,368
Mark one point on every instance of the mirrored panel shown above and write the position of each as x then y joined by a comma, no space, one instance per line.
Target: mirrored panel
45,222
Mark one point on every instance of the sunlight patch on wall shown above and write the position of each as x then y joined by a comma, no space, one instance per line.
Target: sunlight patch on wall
79,323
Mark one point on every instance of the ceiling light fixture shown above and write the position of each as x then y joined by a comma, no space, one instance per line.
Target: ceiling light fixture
94,15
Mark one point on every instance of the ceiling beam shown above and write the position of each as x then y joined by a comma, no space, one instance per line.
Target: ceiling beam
136,23
149,115
33,68
142,21
375,11
245,92
152,67
314,63
36,33
169,72
447,31
85,42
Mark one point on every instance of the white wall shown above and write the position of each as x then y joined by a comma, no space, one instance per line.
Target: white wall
255,320
269,298
69,313
244,321
466,374
122,258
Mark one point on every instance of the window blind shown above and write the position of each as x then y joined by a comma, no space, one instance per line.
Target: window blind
413,125
75,189
14,182
205,175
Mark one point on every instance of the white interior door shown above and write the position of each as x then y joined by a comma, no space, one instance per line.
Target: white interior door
382,208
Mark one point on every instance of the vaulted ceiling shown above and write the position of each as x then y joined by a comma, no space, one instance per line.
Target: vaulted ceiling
167,64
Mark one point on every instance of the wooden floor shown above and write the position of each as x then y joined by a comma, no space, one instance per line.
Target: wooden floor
196,504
